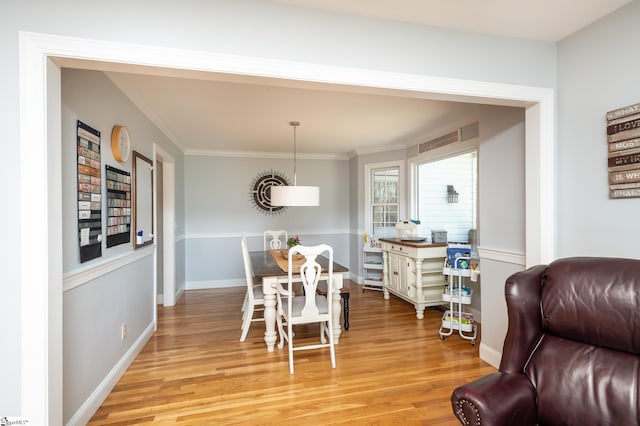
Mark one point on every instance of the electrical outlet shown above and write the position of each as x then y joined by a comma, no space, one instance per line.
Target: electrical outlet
123,331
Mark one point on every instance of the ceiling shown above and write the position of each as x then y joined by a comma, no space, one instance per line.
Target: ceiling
221,116
213,113
547,20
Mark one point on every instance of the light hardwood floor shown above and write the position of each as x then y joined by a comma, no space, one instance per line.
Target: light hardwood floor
391,369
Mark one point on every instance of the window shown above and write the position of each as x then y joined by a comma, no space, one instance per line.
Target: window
384,201
383,198
438,208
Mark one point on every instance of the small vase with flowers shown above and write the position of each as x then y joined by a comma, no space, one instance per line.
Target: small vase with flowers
292,242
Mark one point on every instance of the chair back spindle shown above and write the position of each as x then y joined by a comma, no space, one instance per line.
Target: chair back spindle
275,239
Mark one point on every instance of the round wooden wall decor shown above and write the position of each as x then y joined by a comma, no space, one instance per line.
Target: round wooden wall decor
120,143
260,192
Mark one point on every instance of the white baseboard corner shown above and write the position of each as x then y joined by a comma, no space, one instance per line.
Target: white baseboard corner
179,294
93,403
490,355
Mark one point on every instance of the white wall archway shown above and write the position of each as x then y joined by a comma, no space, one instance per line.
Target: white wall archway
40,141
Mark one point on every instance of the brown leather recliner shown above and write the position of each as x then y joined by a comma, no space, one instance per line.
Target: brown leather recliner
572,351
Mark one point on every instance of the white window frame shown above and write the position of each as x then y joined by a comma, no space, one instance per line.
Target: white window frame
368,169
441,153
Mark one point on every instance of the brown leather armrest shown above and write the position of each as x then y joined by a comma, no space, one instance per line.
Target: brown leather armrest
522,293
497,399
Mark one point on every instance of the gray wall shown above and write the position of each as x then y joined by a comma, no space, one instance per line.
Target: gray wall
501,168
587,220
220,211
597,69
93,315
93,312
91,97
501,213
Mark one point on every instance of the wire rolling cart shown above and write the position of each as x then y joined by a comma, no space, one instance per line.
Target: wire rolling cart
372,266
457,295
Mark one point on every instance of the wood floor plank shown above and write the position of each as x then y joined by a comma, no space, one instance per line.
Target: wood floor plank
391,369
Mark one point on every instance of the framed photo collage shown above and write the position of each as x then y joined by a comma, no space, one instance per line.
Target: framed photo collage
118,201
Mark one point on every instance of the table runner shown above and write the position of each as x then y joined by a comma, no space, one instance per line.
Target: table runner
284,263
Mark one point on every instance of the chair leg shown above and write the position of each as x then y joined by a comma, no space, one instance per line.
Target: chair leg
290,345
345,309
244,309
246,323
244,304
332,349
281,331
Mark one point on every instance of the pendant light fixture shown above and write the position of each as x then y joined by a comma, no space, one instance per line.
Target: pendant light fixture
295,195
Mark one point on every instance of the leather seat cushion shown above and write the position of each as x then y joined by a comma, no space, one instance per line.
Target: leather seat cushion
581,384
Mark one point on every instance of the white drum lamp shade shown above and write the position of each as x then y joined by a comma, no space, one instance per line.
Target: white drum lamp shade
295,195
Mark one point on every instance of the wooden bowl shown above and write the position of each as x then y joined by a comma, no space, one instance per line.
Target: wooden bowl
285,254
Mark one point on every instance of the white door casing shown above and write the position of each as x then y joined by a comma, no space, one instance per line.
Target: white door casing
41,268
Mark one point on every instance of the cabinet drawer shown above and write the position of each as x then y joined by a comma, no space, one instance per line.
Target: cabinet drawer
438,251
396,248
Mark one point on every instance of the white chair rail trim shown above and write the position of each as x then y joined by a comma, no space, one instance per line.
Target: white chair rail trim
87,274
502,256
302,232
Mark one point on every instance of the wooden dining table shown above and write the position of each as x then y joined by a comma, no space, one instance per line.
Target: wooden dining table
267,272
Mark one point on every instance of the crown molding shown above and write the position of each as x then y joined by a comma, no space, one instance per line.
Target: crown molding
260,154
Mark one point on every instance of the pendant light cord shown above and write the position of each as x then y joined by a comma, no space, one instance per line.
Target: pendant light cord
294,124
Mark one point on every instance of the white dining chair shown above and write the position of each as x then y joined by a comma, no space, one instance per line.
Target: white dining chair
308,307
275,239
254,298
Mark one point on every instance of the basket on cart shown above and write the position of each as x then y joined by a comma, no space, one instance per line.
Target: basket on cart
457,295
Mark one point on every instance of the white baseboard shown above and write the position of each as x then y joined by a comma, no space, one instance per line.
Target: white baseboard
490,355
160,297
203,285
91,405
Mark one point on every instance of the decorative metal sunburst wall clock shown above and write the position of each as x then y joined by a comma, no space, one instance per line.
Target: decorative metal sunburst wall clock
260,191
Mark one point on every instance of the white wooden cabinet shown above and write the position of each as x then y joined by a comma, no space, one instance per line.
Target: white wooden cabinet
372,268
396,273
413,272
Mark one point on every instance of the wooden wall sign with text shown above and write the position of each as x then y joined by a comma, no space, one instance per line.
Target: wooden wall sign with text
623,137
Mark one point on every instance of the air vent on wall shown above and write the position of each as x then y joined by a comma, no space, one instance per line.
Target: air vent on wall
441,141
462,134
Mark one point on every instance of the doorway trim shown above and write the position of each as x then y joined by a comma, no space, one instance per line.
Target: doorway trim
169,296
40,174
